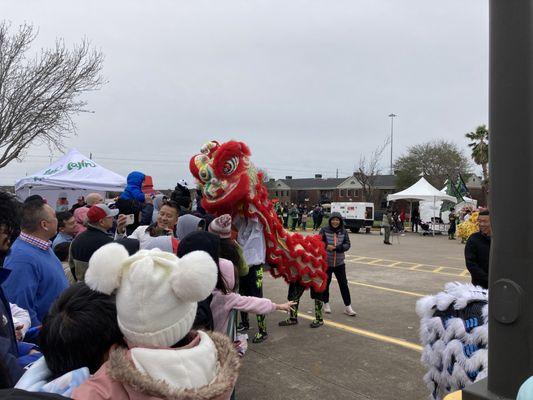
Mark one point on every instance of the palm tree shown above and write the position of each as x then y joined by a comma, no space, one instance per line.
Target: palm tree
479,143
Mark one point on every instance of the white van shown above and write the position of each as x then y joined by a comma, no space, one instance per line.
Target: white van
355,215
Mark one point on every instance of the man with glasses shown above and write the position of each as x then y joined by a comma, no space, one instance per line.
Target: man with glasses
100,220
36,276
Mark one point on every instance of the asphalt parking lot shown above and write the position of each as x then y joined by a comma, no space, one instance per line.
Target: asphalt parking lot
375,355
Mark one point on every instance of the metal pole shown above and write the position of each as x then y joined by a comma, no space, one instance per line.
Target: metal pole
511,151
391,140
434,216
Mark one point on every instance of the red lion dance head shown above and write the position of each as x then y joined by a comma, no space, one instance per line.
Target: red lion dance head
230,184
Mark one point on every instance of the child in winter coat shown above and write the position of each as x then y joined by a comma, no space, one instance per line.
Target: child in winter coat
133,189
156,297
225,300
132,200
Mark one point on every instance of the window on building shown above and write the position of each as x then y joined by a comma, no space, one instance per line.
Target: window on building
326,195
343,192
276,193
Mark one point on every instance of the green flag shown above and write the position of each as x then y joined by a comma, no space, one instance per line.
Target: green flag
461,188
451,190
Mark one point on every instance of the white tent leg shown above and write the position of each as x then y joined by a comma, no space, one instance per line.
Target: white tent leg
434,205
410,213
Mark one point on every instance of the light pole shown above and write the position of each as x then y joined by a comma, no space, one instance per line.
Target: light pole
391,140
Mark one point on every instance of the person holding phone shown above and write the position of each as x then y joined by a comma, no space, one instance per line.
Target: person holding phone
165,225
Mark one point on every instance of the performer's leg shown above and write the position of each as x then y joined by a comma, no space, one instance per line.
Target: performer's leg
319,317
295,293
325,294
262,334
245,289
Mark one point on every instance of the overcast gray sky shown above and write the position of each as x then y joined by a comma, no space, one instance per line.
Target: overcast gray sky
307,84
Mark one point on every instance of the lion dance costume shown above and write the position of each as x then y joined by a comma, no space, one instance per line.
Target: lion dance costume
454,333
231,184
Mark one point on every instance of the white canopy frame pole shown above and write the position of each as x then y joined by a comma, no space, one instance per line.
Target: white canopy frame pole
434,216
411,214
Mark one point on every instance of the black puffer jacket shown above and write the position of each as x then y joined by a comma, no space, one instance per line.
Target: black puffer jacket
477,252
337,237
83,247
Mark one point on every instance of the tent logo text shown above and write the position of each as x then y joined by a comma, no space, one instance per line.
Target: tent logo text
51,171
80,165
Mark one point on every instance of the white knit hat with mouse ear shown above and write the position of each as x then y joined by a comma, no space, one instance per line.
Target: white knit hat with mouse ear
156,293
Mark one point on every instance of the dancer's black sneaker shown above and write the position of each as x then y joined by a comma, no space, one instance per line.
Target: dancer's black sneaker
288,322
260,337
316,324
243,327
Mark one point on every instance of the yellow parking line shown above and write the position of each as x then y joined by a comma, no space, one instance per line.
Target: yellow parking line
395,263
455,258
379,262
465,273
388,289
369,334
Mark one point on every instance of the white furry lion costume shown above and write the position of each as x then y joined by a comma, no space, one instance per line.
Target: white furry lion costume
454,333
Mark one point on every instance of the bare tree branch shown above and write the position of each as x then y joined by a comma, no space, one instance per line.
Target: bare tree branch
368,169
39,96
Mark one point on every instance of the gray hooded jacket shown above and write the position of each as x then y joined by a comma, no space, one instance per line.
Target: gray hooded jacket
186,224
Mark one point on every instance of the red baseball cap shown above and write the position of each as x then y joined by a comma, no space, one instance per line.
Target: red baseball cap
100,211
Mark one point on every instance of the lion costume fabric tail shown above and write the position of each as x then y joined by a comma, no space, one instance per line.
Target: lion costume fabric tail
231,184
454,333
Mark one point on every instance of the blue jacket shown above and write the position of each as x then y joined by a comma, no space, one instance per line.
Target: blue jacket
36,279
38,378
133,189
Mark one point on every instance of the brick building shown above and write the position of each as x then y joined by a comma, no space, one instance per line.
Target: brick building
325,190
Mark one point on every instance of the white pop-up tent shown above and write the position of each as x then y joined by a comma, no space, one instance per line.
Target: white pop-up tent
422,191
427,209
72,175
